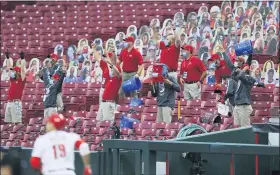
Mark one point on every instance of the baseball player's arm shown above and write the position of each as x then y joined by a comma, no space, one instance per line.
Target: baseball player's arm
35,160
83,148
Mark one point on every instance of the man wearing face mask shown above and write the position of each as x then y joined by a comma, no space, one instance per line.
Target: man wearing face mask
222,71
132,63
53,83
13,113
112,85
170,52
192,72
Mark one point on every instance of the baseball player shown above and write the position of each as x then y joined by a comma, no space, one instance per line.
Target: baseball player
53,153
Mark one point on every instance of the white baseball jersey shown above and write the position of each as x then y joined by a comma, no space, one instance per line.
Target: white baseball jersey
56,150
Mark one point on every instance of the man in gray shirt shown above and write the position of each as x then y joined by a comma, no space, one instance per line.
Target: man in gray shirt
166,96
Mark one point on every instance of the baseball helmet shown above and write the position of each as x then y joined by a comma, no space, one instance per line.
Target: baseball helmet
58,120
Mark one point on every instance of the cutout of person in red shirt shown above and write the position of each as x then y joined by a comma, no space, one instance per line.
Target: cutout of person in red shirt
170,51
113,83
132,63
192,72
13,112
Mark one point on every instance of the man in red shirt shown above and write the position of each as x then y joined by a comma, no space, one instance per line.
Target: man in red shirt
192,72
104,67
13,111
113,83
132,63
222,70
170,52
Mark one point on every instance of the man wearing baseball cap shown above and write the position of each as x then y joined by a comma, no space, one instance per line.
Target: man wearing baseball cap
222,70
132,63
53,83
192,73
53,152
13,112
170,51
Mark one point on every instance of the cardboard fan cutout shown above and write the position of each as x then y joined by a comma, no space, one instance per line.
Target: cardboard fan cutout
71,53
34,65
145,37
98,42
179,19
120,37
131,29
83,42
204,20
138,44
58,50
270,76
259,46
154,23
167,22
144,29
201,10
111,45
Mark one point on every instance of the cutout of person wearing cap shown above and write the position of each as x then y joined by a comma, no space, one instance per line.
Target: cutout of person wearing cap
82,43
112,85
166,96
71,53
13,112
151,54
33,69
71,76
170,51
132,63
259,46
85,76
211,79
84,54
58,50
192,73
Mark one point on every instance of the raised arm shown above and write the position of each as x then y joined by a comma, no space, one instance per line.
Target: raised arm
245,78
229,64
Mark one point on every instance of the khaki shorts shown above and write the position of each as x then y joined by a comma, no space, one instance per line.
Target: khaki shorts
241,114
49,111
164,114
192,91
101,91
13,113
127,76
59,102
106,111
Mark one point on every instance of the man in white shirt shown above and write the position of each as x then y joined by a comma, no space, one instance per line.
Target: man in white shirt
53,153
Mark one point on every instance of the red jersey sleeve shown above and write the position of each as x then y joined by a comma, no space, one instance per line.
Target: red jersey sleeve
104,68
182,67
162,45
121,55
201,67
139,58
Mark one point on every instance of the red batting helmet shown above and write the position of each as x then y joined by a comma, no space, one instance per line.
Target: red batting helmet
57,120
